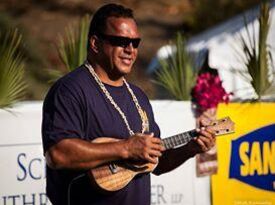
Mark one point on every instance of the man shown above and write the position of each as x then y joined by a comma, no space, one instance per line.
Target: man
95,101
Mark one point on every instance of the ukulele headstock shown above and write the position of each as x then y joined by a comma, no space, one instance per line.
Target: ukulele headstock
222,126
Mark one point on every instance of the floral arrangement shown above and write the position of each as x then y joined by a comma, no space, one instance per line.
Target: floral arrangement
208,92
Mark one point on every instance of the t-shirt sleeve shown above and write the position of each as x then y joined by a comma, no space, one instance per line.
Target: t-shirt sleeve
62,118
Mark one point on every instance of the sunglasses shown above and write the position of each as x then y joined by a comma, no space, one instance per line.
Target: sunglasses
120,40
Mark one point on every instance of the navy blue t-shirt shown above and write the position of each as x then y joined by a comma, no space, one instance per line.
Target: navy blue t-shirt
75,107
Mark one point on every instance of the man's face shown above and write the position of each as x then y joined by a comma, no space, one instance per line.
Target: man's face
119,55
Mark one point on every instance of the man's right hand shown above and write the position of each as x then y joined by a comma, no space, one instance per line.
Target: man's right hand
144,147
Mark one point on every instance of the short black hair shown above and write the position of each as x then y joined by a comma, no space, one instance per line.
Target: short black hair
98,22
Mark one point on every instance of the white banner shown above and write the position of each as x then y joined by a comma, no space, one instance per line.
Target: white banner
22,168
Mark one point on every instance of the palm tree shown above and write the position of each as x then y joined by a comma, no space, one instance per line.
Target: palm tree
176,74
12,84
72,48
257,56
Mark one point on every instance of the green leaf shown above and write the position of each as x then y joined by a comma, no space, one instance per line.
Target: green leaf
176,73
72,49
12,82
258,59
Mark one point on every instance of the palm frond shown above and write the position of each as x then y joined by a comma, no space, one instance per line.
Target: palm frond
72,48
176,74
12,84
257,56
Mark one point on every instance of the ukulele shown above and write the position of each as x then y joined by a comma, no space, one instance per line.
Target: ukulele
116,175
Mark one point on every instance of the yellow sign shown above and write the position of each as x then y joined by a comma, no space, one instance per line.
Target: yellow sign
246,159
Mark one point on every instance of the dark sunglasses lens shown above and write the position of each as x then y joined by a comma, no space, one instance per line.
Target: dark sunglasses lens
135,42
123,41
116,41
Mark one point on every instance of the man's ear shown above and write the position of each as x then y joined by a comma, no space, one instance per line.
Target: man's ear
94,43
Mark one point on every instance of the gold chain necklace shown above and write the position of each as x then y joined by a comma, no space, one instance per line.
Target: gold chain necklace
143,116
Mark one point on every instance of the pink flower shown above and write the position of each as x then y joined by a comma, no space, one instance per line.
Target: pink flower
208,92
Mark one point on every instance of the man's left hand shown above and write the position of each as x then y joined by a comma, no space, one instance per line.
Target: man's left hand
206,139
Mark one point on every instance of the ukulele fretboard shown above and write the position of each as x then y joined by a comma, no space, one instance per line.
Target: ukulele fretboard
179,139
